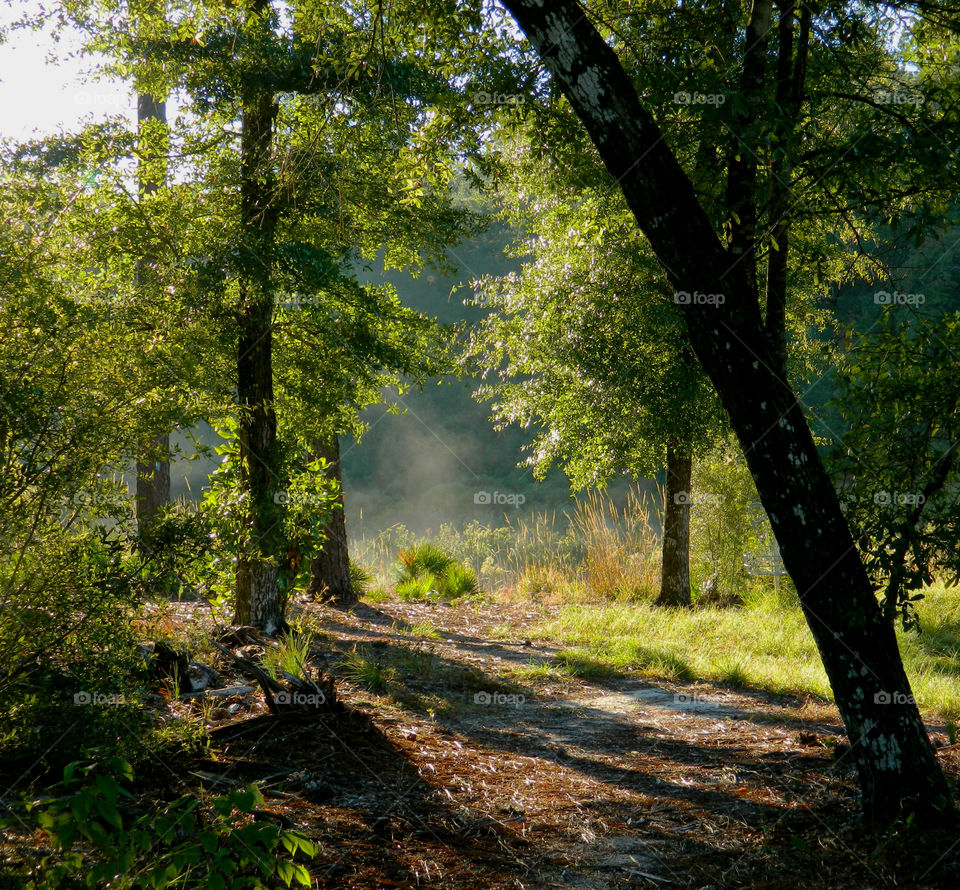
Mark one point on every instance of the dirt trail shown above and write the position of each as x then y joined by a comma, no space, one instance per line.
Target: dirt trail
620,783
458,763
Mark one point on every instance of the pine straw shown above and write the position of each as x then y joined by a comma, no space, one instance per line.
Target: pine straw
561,791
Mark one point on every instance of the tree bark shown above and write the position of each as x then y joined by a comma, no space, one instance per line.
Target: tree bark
897,768
330,569
258,600
675,562
791,76
153,469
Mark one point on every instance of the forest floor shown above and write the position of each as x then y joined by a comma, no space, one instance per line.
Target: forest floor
465,759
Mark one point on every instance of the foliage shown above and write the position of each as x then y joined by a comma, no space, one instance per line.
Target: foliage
361,579
289,656
103,835
727,524
71,672
621,557
899,399
366,672
426,571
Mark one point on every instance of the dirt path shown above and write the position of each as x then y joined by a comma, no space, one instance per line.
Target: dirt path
466,760
615,784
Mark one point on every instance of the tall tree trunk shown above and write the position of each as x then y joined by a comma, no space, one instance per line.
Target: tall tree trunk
791,77
153,469
896,765
330,569
675,562
258,597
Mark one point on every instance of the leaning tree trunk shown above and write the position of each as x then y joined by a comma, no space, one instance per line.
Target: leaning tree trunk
153,467
675,562
330,569
258,599
897,768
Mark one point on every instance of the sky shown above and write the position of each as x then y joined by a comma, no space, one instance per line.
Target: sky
39,95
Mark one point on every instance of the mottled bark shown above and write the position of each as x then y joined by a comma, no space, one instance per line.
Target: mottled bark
153,469
675,562
896,764
258,600
330,569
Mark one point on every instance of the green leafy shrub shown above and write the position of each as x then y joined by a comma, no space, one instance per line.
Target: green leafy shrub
103,837
289,656
420,588
422,559
367,672
727,526
361,580
71,672
459,581
425,571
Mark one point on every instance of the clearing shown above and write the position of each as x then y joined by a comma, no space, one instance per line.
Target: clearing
470,756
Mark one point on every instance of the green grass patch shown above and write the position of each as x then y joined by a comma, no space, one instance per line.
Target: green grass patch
425,630
767,646
368,673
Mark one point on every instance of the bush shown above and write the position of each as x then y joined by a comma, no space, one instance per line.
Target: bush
103,837
361,580
427,571
728,527
71,672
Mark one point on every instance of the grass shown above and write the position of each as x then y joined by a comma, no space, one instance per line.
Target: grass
425,630
289,656
367,672
766,647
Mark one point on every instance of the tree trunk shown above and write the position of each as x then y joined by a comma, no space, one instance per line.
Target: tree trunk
897,768
153,481
258,599
675,562
153,469
330,569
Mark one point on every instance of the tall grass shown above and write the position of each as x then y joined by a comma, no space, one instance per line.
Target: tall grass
594,549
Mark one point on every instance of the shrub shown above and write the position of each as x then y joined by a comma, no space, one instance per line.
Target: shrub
102,837
425,571
361,580
422,559
71,672
727,524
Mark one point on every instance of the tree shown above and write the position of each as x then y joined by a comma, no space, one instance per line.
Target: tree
341,158
153,466
586,340
330,570
896,765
